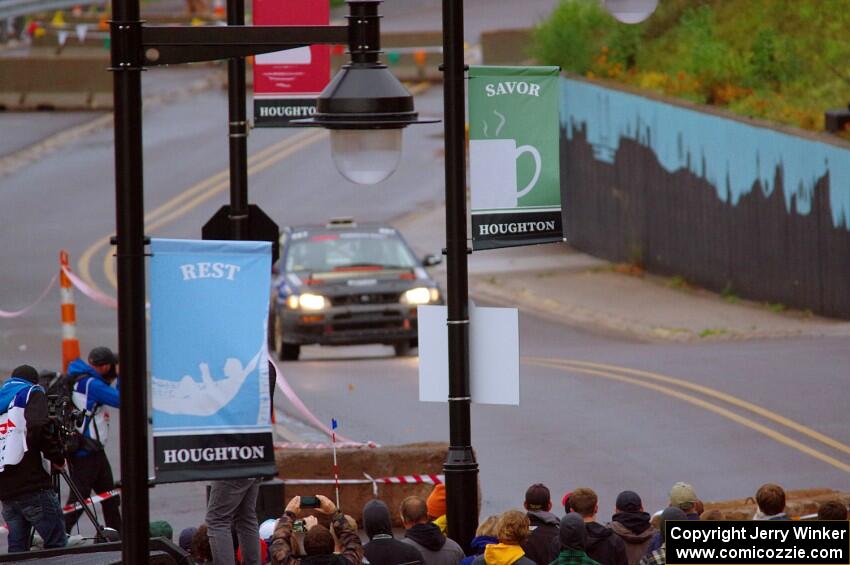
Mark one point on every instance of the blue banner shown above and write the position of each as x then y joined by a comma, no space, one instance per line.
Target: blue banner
209,372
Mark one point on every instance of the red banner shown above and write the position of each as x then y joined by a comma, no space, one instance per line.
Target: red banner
286,83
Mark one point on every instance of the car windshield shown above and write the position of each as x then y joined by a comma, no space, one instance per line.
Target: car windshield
347,251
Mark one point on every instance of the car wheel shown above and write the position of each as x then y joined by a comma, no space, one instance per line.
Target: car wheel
289,352
271,331
402,348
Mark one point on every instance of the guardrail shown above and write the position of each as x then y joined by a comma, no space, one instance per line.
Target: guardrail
16,8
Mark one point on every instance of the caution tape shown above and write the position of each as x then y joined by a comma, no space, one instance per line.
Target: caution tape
96,499
21,312
320,445
96,295
426,479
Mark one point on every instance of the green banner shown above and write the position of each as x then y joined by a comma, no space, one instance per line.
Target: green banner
514,157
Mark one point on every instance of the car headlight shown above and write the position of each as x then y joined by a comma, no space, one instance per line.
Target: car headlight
307,302
420,295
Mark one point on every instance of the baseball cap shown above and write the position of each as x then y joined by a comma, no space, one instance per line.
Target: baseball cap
682,493
102,356
628,501
537,497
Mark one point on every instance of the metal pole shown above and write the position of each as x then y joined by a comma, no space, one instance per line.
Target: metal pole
238,131
460,468
126,51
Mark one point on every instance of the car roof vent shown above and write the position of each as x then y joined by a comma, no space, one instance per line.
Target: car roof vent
342,222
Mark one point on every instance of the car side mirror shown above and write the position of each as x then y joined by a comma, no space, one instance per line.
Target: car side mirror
430,260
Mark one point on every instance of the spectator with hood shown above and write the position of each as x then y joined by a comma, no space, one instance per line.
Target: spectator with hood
540,546
601,544
382,548
26,490
487,533
632,525
513,531
572,536
426,536
659,556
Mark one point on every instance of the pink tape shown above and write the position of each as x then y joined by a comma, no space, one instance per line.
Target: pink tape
93,293
5,314
283,385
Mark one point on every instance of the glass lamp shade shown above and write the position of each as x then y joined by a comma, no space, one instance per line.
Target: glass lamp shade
630,11
366,156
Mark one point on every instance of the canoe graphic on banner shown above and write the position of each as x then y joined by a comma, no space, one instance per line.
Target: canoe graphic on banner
209,371
514,157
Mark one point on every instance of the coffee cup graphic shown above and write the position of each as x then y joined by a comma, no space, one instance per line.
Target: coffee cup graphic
493,172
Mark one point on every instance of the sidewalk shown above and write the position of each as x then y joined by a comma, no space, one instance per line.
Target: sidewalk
557,282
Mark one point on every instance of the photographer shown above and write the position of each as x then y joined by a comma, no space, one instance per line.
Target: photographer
26,490
89,467
339,546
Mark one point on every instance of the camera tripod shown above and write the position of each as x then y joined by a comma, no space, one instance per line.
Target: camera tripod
102,534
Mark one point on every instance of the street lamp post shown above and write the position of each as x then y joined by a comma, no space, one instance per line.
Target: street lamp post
378,104
460,468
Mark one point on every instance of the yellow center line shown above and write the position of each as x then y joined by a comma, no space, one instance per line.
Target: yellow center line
202,191
150,227
734,400
724,412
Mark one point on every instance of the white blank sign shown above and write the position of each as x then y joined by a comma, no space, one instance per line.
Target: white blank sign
493,355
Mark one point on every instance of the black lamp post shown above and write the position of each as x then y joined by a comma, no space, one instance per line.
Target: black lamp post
133,46
460,468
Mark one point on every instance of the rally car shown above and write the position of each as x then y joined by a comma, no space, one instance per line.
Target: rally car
347,284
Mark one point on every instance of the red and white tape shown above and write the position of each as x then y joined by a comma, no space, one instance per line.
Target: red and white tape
412,479
96,499
394,480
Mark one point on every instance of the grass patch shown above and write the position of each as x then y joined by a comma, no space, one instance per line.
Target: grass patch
728,294
776,307
711,332
678,282
781,60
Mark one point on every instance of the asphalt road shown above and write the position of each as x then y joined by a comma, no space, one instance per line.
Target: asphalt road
608,427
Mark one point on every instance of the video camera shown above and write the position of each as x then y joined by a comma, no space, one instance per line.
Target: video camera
63,416
65,419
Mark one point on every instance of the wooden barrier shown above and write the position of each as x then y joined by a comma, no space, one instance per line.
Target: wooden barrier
317,464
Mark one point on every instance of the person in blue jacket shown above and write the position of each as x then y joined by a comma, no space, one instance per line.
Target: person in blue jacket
89,466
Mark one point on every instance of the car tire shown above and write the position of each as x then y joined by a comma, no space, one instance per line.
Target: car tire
402,348
271,331
289,352
285,351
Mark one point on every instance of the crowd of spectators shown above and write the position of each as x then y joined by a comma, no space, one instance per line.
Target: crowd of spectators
532,536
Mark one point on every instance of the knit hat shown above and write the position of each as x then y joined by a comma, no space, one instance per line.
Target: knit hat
185,539
572,533
670,513
436,502
26,372
682,494
161,529
376,518
628,501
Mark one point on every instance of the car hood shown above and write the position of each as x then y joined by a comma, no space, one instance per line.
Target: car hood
364,282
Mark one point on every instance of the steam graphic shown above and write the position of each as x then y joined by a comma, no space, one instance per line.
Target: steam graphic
498,129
